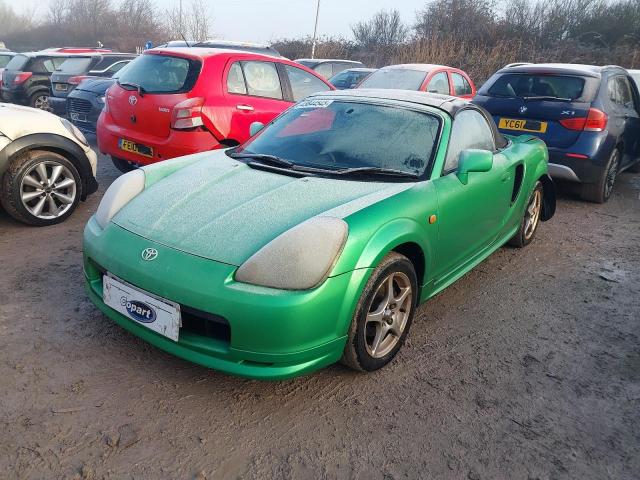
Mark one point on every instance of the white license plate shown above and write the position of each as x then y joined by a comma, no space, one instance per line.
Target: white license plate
61,87
78,117
157,314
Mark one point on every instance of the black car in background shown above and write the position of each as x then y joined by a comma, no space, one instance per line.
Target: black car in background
74,70
86,101
588,116
26,80
328,68
351,78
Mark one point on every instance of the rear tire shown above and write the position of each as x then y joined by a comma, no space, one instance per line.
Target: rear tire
40,100
123,165
40,188
600,191
530,219
383,315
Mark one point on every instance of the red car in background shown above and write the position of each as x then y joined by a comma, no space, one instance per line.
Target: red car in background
171,102
423,77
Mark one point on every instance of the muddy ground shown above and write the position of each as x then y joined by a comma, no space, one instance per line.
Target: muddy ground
527,368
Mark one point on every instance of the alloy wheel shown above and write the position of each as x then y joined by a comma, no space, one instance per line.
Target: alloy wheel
532,214
388,314
48,190
41,102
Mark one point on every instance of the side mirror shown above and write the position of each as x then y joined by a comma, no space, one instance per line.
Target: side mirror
255,128
473,160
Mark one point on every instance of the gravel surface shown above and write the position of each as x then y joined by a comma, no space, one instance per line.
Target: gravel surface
527,368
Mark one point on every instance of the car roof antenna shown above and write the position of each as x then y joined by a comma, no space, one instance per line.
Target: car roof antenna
185,40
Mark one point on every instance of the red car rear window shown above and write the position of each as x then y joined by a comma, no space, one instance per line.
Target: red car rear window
162,73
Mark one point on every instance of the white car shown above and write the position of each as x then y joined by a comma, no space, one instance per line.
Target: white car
46,165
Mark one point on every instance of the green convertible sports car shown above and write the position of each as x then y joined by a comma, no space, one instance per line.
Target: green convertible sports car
316,240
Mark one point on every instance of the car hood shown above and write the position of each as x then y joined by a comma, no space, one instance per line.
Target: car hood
96,85
223,210
17,121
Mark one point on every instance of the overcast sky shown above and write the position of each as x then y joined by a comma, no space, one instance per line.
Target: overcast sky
265,20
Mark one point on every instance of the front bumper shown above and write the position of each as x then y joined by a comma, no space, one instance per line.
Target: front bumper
58,105
178,144
83,110
274,334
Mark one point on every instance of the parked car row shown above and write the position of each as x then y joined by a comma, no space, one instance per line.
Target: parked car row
328,215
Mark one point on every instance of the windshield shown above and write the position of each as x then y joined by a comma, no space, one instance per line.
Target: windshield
348,78
161,74
395,78
4,60
336,135
17,63
524,85
75,65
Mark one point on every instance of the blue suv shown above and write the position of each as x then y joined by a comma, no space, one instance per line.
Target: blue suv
588,116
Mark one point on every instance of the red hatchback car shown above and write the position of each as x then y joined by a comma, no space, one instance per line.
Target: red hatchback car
176,101
423,77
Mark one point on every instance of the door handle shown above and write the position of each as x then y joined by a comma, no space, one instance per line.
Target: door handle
245,108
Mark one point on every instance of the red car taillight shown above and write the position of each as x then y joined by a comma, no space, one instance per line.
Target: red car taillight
595,121
187,114
76,80
22,77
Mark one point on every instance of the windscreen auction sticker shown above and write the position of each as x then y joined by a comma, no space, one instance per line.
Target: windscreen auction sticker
314,103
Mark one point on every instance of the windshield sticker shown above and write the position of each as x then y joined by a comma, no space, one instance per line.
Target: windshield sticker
314,103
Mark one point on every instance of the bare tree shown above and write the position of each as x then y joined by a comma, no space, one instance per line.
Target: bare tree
195,23
383,30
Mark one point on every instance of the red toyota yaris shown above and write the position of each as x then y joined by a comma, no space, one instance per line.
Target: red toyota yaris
176,101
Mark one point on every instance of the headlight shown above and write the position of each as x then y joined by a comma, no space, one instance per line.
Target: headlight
299,259
73,130
101,99
121,192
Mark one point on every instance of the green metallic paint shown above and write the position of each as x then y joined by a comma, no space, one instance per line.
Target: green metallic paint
230,211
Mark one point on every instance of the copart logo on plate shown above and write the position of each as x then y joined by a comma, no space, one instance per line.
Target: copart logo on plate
149,254
133,100
139,311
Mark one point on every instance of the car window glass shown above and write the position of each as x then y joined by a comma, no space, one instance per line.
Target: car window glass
235,80
535,85
340,67
324,70
162,73
45,65
320,133
460,85
470,130
613,89
397,78
439,84
303,83
75,65
626,99
4,60
18,62
262,79
116,67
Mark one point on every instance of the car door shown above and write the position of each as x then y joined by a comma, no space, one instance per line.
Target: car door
471,216
625,107
254,93
438,83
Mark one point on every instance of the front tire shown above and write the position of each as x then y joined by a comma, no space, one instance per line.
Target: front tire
600,191
40,188
383,315
531,218
123,165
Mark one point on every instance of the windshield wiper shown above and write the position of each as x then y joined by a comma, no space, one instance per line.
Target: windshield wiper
272,159
547,97
139,88
376,170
